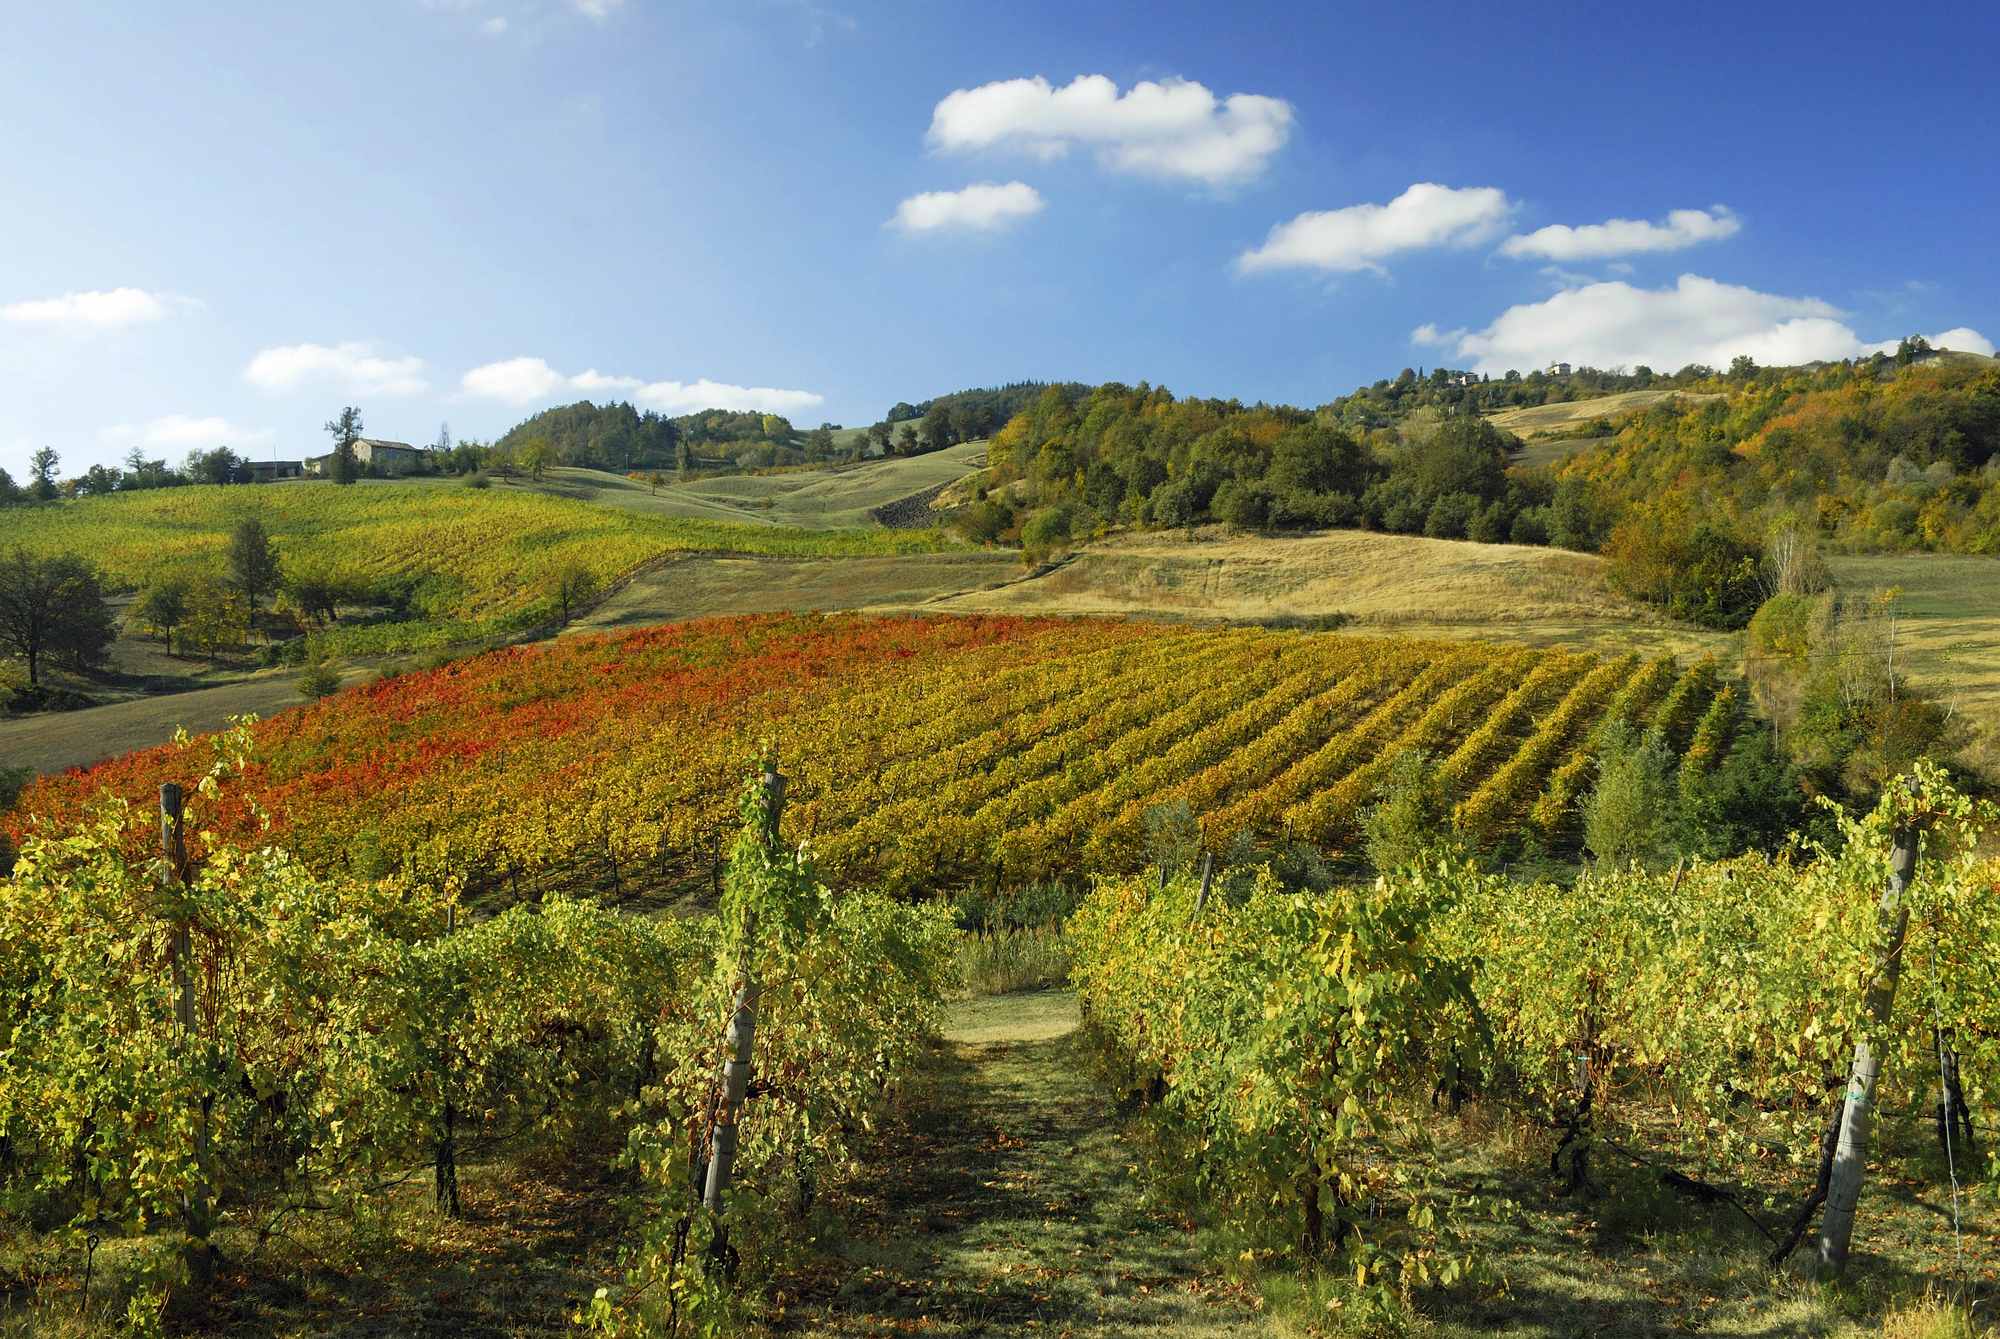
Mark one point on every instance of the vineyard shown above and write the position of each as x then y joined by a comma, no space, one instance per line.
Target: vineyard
926,753
481,561
1699,1023
221,1043
426,925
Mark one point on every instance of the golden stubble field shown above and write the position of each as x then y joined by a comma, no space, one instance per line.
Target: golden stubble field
1382,583
1400,584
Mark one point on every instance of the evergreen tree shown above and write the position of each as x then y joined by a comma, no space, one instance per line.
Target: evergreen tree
345,468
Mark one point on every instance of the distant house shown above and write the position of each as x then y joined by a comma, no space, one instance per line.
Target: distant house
392,457
268,471
389,455
1558,369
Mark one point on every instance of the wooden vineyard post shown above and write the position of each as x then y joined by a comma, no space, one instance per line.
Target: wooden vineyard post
1850,1156
1207,877
197,1220
444,1172
741,1042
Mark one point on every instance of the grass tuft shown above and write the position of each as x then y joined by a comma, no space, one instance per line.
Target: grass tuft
999,962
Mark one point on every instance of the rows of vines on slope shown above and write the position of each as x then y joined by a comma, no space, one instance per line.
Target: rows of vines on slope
926,752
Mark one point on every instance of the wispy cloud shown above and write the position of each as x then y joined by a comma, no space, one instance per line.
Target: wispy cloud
1360,237
93,310
1624,237
1174,128
523,381
182,430
981,207
356,368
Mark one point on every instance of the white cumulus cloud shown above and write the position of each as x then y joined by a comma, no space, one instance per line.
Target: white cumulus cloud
1694,320
494,26
1624,237
356,368
93,310
1174,128
525,380
517,381
1962,339
983,206
1359,237
182,430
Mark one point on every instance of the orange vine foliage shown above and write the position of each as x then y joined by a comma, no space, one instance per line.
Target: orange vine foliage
924,752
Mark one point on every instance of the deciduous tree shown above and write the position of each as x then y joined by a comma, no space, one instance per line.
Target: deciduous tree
218,616
537,455
53,608
253,561
162,608
572,588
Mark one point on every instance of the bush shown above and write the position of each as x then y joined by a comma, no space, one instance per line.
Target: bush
1450,515
1243,505
1628,815
1691,569
478,479
272,654
1045,533
985,520
1491,525
1411,819
1571,524
319,681
1748,803
1530,527
48,699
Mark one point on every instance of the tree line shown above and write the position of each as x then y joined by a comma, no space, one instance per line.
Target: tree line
1070,466
216,465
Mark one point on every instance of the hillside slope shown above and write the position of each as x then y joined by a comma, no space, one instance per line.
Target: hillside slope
833,498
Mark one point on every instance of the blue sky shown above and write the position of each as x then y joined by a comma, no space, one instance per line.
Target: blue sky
225,221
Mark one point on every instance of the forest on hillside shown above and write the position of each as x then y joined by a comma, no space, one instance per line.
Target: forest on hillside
1690,497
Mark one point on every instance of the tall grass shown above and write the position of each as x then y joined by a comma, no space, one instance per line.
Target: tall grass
1010,958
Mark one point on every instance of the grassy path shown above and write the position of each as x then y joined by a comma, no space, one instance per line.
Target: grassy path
1003,1201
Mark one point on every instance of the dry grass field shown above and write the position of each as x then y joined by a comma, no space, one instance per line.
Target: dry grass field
1949,624
56,741
704,585
1383,583
1561,417
839,497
